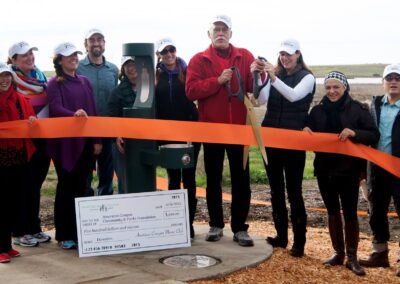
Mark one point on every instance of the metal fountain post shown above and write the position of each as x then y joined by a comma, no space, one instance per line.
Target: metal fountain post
143,156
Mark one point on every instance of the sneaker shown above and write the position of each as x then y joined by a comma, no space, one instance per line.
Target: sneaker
214,234
42,237
26,241
243,239
69,244
4,258
13,253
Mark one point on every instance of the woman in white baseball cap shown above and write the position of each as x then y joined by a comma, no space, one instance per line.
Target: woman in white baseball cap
124,95
288,95
32,83
70,95
172,104
14,157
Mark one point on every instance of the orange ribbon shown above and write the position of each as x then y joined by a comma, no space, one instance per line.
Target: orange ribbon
155,129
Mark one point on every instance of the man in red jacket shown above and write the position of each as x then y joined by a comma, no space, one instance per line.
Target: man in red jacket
208,74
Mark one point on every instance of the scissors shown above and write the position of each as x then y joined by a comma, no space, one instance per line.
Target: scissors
251,118
256,76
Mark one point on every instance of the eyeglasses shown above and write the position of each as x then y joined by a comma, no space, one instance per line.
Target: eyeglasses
391,77
166,50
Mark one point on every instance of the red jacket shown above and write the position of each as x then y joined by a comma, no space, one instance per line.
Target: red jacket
202,85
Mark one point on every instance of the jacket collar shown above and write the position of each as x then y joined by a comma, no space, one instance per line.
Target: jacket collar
210,53
86,61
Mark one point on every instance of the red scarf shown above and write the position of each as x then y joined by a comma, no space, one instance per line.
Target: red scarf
9,112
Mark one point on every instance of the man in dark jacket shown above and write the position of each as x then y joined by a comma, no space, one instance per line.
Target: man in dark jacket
384,185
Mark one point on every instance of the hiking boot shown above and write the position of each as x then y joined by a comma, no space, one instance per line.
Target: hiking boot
376,259
69,244
277,242
336,259
297,251
13,253
26,241
214,234
353,264
42,237
243,239
4,258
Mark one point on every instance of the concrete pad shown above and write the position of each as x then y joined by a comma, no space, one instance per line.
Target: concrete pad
50,264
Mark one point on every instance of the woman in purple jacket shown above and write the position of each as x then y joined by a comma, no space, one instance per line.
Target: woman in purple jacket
70,95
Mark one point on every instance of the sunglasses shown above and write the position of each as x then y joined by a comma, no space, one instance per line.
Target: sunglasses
391,77
166,50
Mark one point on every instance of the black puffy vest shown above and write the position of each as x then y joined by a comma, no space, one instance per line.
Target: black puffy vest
282,113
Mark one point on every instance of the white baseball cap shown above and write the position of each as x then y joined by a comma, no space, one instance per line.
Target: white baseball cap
66,49
126,58
20,47
4,68
164,42
392,68
290,46
92,32
222,18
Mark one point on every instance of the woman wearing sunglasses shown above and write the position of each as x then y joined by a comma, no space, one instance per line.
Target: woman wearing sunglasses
31,82
14,157
172,104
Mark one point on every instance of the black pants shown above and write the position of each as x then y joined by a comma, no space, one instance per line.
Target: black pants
11,182
187,177
286,165
28,219
384,186
70,185
340,190
214,162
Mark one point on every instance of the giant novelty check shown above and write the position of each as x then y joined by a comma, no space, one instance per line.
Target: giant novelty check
132,222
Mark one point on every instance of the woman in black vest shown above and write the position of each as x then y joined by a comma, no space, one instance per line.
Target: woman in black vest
288,96
172,104
339,175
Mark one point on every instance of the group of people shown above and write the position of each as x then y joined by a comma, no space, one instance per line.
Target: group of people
90,87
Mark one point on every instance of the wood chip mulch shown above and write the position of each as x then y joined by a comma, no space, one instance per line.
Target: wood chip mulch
283,268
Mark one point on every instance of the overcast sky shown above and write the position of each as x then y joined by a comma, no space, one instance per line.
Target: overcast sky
329,32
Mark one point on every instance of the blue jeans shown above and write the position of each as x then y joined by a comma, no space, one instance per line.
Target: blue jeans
105,171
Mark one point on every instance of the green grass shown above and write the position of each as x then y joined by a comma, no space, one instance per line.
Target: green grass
257,173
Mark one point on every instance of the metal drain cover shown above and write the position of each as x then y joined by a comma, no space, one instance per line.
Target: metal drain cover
190,261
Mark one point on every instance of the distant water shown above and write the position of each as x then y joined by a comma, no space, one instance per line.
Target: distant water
372,80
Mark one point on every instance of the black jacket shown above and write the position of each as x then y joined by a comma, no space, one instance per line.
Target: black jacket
122,96
376,113
355,116
171,100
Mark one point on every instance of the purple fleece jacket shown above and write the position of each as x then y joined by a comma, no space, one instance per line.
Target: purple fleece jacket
65,98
